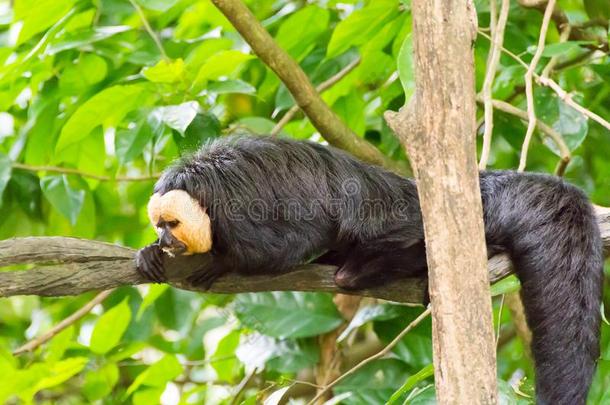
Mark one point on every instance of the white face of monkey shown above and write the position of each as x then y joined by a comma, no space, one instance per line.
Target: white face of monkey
181,223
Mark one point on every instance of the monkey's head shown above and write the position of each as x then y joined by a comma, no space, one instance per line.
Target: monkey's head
182,225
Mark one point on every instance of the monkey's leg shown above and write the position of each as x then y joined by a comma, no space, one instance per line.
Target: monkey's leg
333,257
381,262
150,264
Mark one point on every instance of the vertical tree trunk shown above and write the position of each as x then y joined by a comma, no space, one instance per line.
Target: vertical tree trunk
438,131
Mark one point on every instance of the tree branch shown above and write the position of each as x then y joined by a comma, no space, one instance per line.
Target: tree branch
331,127
70,266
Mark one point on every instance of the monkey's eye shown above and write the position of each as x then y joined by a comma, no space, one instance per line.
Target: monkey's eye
173,224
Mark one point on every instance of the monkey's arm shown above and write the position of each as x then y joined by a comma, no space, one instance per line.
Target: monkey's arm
149,263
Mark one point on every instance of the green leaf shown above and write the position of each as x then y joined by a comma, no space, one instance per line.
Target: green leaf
148,396
157,5
351,110
84,37
158,374
129,143
59,344
561,48
99,383
203,128
508,285
38,15
553,111
598,9
376,381
288,314
411,382
110,327
231,86
62,371
5,173
62,196
165,71
257,125
284,356
312,22
276,397
406,70
88,70
154,292
369,313
223,63
176,309
227,366
178,117
106,108
361,25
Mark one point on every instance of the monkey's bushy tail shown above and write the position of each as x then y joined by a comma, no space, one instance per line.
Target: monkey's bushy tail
557,252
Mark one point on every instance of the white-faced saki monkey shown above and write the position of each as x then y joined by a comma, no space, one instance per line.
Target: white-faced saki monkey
261,205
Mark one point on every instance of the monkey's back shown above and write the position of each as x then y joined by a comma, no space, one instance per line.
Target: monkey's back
277,202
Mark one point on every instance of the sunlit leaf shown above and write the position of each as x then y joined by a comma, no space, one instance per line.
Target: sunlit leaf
312,22
508,285
110,327
106,108
361,25
221,64
231,86
406,70
99,383
165,71
84,37
38,15
157,5
88,70
158,374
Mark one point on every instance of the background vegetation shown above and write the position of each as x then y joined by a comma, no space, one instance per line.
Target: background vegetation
97,97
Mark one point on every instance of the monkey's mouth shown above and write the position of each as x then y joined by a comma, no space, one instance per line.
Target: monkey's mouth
174,249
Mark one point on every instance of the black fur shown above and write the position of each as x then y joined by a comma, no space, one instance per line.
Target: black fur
278,203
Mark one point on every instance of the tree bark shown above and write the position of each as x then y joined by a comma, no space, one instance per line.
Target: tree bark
438,132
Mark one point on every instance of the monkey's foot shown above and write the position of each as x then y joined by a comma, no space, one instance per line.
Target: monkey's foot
150,264
204,279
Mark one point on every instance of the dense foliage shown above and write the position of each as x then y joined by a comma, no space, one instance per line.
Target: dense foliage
97,96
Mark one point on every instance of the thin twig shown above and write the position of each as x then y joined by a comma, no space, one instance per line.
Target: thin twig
567,98
376,356
492,65
557,89
500,320
149,29
564,151
242,386
84,310
68,170
325,85
529,83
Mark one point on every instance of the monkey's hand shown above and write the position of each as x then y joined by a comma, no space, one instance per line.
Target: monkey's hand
150,264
